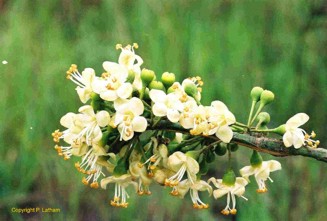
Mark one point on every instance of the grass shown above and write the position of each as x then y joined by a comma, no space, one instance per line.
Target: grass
232,45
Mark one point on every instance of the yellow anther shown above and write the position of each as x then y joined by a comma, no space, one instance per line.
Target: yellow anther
199,89
310,143
147,192
140,165
233,211
84,181
139,192
152,167
119,46
77,165
262,190
150,174
306,136
135,45
153,159
66,158
205,206
225,212
195,206
167,182
317,142
105,75
174,193
94,185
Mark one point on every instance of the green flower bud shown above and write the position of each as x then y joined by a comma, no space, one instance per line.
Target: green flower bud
203,168
256,159
190,88
147,76
263,118
229,178
280,130
266,97
221,149
233,147
256,93
210,157
131,76
168,79
193,153
96,102
157,85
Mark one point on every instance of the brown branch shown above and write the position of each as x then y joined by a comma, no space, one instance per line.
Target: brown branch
271,146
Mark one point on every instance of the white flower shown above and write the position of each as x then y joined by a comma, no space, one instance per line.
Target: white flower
181,164
121,182
220,119
261,173
84,81
200,121
166,105
187,116
128,117
295,136
199,185
137,170
91,123
113,83
92,164
238,189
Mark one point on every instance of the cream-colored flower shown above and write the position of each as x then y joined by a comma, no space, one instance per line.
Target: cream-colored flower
200,121
166,105
92,164
219,121
84,81
128,117
188,114
121,183
261,173
238,189
181,164
113,83
91,123
199,185
138,171
295,136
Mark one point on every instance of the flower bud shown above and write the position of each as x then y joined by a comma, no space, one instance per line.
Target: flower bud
168,79
280,130
229,178
147,76
190,88
256,159
157,85
263,118
221,149
266,97
256,93
210,157
233,147
131,76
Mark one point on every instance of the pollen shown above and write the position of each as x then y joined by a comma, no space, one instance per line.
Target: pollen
56,136
233,211
94,185
262,190
225,212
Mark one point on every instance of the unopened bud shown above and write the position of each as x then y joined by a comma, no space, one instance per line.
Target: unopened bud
256,159
157,85
168,79
266,97
229,178
131,76
256,93
190,88
147,76
280,130
263,118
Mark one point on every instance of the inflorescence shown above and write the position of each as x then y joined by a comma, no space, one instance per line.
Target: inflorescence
117,138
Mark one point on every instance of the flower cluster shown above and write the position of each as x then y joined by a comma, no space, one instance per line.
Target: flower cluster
128,132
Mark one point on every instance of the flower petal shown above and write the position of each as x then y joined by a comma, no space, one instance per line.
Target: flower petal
139,124
159,109
173,115
288,139
296,121
125,90
157,96
225,134
219,193
103,118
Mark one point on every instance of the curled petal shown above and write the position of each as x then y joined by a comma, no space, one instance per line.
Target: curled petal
247,171
296,121
219,193
288,139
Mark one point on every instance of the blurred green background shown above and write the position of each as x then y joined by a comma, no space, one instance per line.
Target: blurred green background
233,45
